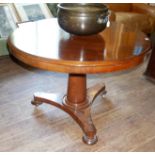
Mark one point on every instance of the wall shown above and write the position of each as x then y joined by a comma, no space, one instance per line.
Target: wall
3,47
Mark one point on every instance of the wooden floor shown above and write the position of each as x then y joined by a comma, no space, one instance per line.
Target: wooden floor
125,118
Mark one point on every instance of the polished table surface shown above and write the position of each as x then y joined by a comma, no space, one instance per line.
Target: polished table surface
43,44
113,49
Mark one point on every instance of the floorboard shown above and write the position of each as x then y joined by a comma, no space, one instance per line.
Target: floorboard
124,118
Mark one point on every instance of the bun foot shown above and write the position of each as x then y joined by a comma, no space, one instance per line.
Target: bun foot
103,94
36,103
90,141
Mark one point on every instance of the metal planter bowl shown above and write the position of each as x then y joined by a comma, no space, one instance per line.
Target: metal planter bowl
82,18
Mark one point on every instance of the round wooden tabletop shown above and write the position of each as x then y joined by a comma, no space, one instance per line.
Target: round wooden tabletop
43,44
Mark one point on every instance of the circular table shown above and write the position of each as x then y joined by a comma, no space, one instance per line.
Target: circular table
43,44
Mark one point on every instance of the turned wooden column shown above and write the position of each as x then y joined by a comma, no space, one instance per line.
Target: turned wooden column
76,91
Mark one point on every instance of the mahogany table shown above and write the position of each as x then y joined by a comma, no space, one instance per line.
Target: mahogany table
43,44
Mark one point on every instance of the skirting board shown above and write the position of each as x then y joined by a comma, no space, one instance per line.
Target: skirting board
3,47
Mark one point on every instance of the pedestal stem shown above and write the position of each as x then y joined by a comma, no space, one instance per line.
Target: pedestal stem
76,92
